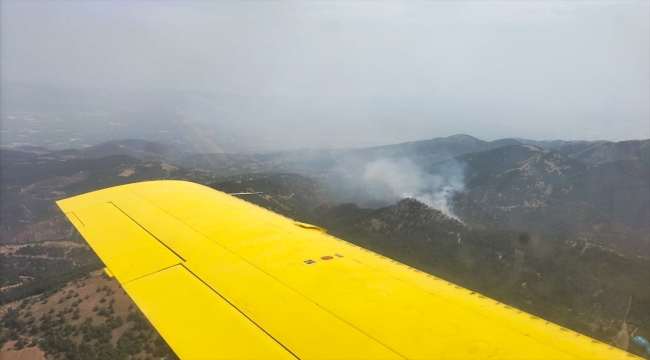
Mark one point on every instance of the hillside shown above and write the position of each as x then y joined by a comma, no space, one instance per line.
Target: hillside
527,188
91,318
31,183
635,152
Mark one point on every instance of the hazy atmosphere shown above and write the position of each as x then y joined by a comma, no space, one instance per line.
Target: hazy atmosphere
486,164
347,74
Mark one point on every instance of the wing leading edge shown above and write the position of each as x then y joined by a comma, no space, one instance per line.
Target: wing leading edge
222,278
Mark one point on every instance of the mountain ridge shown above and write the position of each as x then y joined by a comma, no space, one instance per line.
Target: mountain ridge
540,190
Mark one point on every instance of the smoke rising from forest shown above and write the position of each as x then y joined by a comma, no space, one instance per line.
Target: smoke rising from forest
396,179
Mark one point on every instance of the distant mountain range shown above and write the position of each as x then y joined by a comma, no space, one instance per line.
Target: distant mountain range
431,150
593,191
317,162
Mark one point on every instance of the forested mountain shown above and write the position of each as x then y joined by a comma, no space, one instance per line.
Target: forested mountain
524,187
344,161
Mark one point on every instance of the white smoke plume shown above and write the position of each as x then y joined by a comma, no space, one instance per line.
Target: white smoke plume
396,179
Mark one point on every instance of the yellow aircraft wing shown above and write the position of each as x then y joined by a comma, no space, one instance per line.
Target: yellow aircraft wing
221,278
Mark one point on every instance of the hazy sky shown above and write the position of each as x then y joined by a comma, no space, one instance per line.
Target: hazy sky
538,69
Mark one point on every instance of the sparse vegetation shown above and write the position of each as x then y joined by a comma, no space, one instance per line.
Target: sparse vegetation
76,333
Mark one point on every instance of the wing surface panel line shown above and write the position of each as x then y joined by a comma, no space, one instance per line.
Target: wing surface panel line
148,232
143,276
132,267
198,231
239,310
302,295
142,289
71,213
